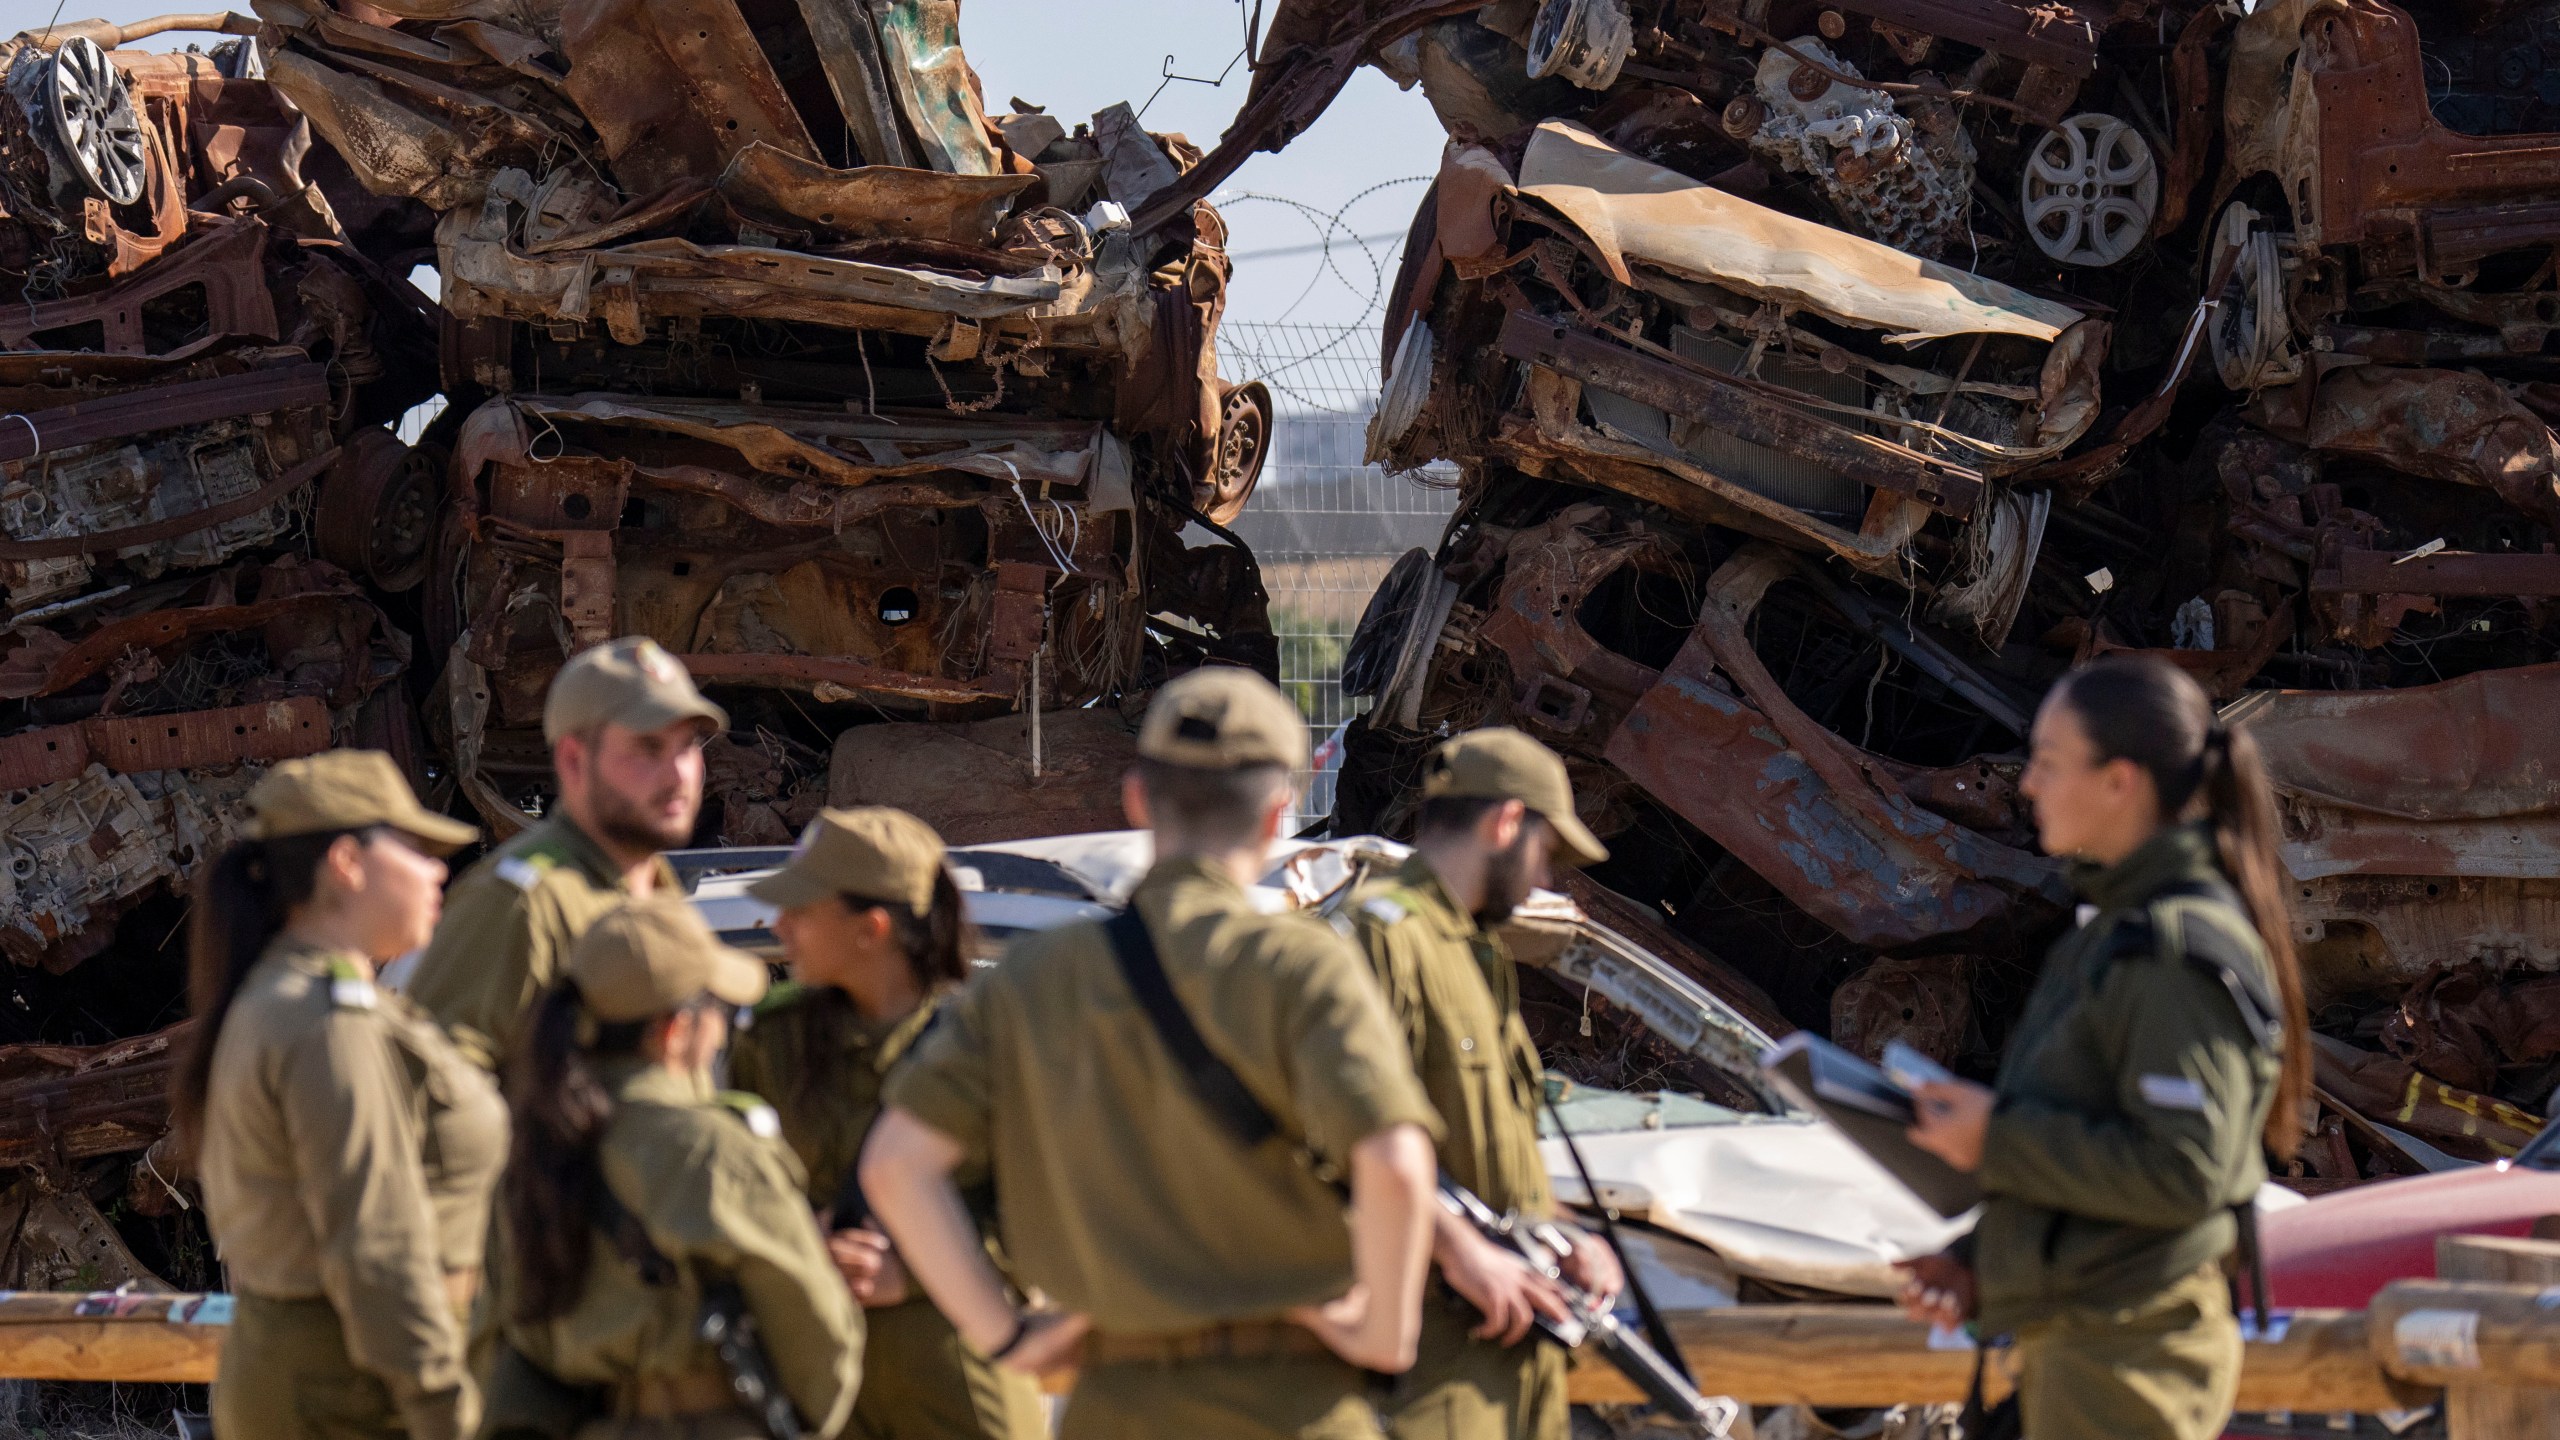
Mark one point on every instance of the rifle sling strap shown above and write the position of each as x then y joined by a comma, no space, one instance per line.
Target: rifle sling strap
1213,1081
630,1238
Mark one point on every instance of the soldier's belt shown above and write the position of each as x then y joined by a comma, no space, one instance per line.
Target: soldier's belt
673,1397
1236,1340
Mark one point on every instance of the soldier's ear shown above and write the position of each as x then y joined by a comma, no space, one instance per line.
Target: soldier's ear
342,864
877,923
570,757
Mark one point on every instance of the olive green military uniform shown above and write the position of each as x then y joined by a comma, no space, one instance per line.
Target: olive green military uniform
718,1200
1121,1196
508,923
920,1382
2127,1125
1456,998
348,1157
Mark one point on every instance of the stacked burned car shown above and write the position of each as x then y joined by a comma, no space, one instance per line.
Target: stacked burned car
1825,379
203,515
768,342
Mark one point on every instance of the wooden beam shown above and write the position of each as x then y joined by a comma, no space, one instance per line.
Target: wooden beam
2499,1412
1859,1355
2461,1332
1828,1355
112,1337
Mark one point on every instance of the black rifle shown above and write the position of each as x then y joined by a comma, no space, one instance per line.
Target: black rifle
729,1327
1542,1247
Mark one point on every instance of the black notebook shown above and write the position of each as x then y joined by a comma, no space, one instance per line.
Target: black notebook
1865,1105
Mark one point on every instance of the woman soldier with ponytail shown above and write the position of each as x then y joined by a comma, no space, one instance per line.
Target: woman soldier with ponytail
637,1190
2162,1054
870,920
346,1149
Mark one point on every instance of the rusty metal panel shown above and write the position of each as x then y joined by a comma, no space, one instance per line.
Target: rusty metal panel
165,407
1730,408
76,1102
2375,572
676,88
849,675
228,264
42,757
920,50
277,730
2477,748
1795,802
587,585
2054,35
1021,612
2384,159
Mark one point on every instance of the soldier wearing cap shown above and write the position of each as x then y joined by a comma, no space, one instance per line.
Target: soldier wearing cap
872,924
346,1149
635,1188
1496,812
1217,1288
626,728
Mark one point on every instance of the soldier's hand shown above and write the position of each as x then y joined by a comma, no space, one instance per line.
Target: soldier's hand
1051,1340
1952,1118
1937,1289
1594,1267
1503,1289
1338,1322
871,1269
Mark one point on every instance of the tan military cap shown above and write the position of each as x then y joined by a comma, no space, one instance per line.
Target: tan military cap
346,790
1503,764
875,853
631,682
1223,718
651,956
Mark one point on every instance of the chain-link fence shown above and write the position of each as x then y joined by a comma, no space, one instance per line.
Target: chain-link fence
1325,526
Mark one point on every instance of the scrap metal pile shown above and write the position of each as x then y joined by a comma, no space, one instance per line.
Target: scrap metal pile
1826,378
757,334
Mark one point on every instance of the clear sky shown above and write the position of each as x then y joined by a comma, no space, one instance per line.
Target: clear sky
1075,57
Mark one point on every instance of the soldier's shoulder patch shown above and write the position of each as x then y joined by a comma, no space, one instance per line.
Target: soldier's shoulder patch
522,871
761,1119
350,988
1385,909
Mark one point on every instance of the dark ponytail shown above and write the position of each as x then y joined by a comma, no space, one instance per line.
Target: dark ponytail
936,943
241,902
2144,709
553,1176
